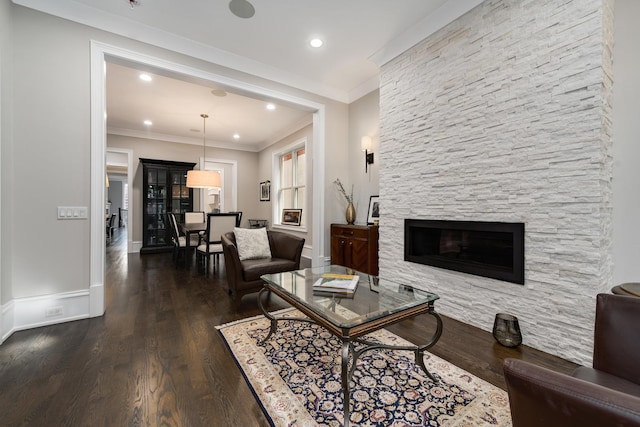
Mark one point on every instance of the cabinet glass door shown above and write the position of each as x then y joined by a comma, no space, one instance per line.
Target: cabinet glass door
180,195
156,206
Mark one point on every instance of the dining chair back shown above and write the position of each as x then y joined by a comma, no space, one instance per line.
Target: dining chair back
194,217
239,219
217,225
178,248
111,225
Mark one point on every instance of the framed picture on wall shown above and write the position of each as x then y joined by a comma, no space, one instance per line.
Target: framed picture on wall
291,216
374,210
265,193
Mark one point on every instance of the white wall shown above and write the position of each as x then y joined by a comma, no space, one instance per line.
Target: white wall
626,143
504,115
51,144
364,119
6,293
115,197
6,141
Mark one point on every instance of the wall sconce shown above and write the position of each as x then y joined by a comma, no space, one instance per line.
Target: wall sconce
365,144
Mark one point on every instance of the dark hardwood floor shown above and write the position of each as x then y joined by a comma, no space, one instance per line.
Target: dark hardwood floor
155,357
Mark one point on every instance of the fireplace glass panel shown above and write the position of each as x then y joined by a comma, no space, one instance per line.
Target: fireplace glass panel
488,249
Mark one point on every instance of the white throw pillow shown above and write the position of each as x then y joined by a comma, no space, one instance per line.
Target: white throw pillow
253,243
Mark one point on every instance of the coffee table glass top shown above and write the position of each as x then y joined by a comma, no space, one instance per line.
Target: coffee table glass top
374,297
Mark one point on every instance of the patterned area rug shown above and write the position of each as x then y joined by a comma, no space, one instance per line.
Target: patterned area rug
295,375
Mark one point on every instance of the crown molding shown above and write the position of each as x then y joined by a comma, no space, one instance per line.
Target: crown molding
181,140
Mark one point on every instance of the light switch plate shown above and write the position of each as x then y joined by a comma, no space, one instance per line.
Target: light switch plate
73,212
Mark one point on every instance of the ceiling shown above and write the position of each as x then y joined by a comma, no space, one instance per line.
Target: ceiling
175,106
359,36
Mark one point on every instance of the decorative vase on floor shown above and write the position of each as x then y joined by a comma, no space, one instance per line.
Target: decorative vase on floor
506,330
351,214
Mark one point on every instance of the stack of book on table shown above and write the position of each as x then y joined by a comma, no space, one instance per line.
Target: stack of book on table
336,284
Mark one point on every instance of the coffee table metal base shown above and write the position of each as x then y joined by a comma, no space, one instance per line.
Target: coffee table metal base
349,353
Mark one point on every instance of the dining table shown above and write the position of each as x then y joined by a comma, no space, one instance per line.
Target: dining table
188,228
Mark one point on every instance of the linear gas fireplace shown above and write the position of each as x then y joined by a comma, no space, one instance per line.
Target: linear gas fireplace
488,249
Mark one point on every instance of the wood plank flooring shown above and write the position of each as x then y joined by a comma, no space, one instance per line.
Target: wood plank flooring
155,358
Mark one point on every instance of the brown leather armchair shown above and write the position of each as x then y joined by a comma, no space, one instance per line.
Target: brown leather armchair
607,394
244,276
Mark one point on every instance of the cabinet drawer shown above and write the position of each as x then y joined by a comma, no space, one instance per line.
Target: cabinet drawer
350,232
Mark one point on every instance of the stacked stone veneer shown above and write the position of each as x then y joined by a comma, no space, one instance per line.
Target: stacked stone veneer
504,115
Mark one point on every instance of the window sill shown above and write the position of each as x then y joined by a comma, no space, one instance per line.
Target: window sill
300,229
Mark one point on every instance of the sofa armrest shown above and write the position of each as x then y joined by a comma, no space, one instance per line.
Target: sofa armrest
542,397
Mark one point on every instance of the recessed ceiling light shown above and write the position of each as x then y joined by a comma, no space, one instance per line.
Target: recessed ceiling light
236,136
148,122
145,77
271,106
316,42
219,92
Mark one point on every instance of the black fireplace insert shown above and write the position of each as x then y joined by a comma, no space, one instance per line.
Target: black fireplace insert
488,249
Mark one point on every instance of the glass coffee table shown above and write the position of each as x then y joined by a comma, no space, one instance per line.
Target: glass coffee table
375,304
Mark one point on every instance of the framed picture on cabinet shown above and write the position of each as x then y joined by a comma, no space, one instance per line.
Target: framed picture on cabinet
291,216
374,210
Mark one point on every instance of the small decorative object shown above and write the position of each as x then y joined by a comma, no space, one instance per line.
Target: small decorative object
291,216
350,215
506,330
265,192
374,210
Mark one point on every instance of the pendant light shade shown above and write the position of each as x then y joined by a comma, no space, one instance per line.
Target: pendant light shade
203,178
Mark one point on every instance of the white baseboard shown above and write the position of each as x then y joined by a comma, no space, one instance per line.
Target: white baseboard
26,313
136,245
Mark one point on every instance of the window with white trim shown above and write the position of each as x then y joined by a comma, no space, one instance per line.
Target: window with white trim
290,191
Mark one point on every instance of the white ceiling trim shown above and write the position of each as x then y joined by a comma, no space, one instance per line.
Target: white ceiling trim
301,124
77,12
180,140
445,14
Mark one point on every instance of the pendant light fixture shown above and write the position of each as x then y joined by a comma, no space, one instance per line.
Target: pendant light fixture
203,178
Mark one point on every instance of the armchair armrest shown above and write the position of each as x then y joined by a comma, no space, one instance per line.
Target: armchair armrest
286,246
615,347
231,259
542,397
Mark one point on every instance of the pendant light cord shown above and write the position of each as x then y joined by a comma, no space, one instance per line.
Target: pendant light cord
204,141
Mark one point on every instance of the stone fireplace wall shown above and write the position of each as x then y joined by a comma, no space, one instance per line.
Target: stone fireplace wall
504,115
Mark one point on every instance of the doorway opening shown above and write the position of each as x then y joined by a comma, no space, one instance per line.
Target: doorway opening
101,54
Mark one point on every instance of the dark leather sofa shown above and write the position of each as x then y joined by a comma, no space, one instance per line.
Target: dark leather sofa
244,276
606,394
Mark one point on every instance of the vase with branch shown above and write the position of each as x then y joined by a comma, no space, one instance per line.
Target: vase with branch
350,215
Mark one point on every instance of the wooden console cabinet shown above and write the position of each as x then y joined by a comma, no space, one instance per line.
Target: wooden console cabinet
355,246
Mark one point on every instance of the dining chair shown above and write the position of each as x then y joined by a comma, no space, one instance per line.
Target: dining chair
179,242
217,225
111,225
196,217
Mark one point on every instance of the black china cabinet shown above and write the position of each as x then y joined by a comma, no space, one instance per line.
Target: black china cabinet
164,190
